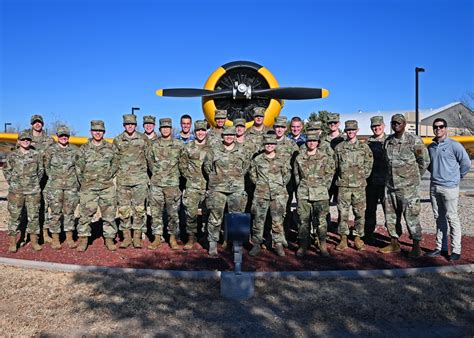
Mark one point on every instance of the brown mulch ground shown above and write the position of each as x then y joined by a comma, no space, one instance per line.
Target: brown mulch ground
165,258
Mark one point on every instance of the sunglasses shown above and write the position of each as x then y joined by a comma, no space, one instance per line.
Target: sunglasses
396,123
332,122
438,127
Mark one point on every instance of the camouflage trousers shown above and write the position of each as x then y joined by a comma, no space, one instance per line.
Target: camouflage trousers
374,194
131,205
404,202
312,212
260,208
193,200
61,202
164,198
16,202
90,199
215,203
346,198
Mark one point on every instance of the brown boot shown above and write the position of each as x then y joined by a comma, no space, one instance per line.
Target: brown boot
415,249
279,250
190,243
110,245
359,243
56,245
127,239
301,252
393,247
323,249
342,244
70,241
173,244
12,246
82,243
137,239
156,243
34,242
46,238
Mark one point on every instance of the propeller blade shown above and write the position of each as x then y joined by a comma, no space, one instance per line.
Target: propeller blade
292,93
183,92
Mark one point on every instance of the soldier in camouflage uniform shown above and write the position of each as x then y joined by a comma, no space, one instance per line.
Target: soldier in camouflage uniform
255,133
407,160
132,181
149,127
313,171
163,159
62,189
214,135
241,138
226,166
375,190
96,166
190,165
270,173
40,142
23,170
353,166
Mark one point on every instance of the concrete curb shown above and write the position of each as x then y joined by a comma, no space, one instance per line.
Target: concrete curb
216,275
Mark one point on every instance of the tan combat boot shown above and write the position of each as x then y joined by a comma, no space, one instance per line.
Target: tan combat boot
393,247
70,241
301,252
190,243
137,239
173,244
213,249
46,238
110,245
342,244
34,242
127,239
279,250
12,246
82,243
156,243
415,249
359,243
323,248
55,244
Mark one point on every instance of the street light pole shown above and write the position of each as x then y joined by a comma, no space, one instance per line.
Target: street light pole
6,125
133,110
417,113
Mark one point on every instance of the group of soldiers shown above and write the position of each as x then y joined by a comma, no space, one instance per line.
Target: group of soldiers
259,170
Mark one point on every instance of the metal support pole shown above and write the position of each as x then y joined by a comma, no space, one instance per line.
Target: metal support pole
417,113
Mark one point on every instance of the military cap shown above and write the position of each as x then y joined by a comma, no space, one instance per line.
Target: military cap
269,139
258,111
200,124
280,121
312,135
149,119
351,125
63,130
313,125
398,118
35,118
239,122
165,122
24,134
97,125
228,131
129,119
333,117
220,114
376,121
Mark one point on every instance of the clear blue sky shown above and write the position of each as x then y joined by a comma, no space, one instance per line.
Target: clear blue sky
82,60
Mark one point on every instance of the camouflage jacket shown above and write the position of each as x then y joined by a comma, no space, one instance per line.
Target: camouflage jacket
313,175
252,149
255,136
214,137
353,164
324,146
333,142
270,175
226,169
132,165
96,165
60,166
287,147
190,164
23,172
42,142
407,160
379,168
163,160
